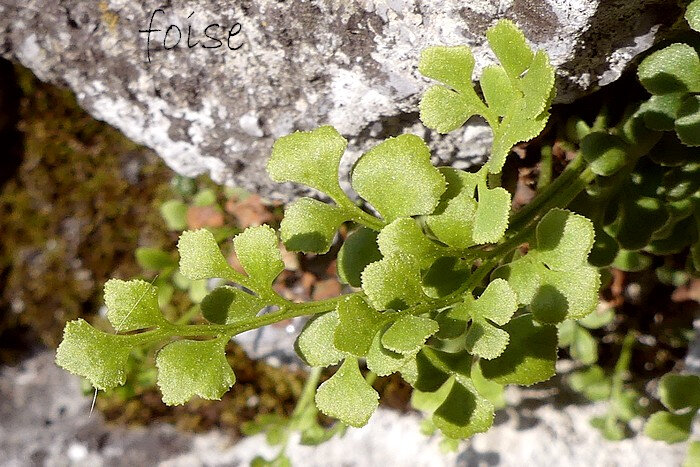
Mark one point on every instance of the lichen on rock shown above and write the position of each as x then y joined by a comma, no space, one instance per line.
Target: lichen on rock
301,64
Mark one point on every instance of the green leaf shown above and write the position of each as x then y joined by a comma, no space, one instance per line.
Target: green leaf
492,391
514,129
165,293
682,182
200,256
523,276
529,357
258,252
491,218
408,334
428,402
409,370
692,15
464,412
347,396
636,133
132,305
459,181
261,423
453,363
359,250
358,325
187,368
671,152
174,212
205,197
280,461
568,287
584,347
197,290
577,128
561,295
498,302
678,211
227,305
99,357
498,90
598,318
537,85
592,383
448,445
675,68
181,282
520,91
605,153
565,332
688,122
525,113
692,457
315,342
681,234
316,434
509,44
405,236
678,392
444,109
660,112
631,261
310,225
311,158
383,361
223,233
485,340
450,65
564,239
154,259
639,218
415,185
626,405
604,250
453,220
610,428
668,427
669,275
393,282
430,372
445,276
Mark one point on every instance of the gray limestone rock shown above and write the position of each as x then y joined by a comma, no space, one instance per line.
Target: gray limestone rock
297,64
45,420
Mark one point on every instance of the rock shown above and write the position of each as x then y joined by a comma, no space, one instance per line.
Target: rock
297,65
532,435
45,420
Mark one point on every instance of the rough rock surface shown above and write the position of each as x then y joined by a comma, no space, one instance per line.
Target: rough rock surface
301,64
44,420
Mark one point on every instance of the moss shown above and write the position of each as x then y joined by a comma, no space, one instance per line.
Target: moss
84,198
259,389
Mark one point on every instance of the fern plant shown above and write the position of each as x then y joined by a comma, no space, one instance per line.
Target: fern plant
445,294
645,202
